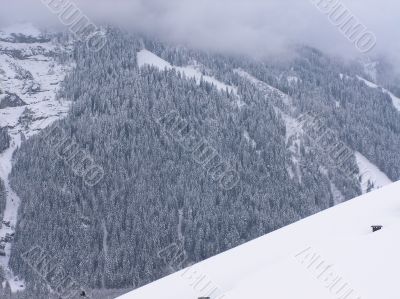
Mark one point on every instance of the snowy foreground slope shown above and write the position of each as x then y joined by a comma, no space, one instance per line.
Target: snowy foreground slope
333,254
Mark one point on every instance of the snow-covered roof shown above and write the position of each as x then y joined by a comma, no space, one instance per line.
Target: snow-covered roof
332,254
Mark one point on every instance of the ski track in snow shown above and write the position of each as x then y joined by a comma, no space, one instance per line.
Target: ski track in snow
47,74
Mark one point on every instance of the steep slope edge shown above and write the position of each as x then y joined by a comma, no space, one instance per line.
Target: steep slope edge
284,264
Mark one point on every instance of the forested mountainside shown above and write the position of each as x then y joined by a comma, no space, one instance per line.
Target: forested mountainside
153,193
4,144
384,73
2,198
330,88
32,65
4,139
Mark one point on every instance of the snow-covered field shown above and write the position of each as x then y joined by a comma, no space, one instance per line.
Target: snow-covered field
35,78
326,256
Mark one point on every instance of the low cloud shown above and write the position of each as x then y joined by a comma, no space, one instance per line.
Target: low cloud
253,27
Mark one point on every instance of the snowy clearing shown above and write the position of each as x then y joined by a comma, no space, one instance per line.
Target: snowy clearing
262,86
395,100
145,57
370,172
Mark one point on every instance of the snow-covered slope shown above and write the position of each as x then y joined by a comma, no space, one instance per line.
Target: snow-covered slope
329,255
268,90
370,173
146,57
395,100
30,72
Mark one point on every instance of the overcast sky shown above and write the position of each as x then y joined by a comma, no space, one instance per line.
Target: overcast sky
255,27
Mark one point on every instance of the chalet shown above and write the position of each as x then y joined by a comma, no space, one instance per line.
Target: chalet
376,228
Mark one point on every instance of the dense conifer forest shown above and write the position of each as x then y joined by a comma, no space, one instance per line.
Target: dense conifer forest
153,194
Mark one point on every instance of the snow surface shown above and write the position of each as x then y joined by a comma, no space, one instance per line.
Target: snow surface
395,100
325,256
145,57
368,83
370,172
45,78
